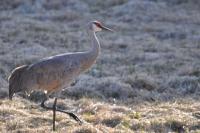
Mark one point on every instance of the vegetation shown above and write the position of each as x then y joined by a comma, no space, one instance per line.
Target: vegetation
147,78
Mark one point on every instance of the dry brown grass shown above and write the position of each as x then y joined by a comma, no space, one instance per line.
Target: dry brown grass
179,116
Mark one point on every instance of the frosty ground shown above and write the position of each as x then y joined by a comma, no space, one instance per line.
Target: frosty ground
147,77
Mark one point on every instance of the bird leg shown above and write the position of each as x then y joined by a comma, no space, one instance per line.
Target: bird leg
54,114
75,117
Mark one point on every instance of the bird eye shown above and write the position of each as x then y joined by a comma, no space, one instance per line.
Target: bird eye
98,24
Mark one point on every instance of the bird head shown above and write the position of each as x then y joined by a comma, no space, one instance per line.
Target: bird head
98,26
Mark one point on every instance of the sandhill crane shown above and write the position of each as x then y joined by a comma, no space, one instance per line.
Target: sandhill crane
55,73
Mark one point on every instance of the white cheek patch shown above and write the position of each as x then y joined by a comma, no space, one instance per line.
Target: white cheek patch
95,28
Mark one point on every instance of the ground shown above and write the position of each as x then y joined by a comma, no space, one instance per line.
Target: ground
146,79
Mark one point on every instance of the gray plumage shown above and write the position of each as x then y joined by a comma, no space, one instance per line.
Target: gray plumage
56,72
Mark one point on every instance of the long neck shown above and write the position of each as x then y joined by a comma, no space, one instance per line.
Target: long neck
94,52
90,56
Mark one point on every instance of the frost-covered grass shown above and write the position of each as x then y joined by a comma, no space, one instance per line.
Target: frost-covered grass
147,77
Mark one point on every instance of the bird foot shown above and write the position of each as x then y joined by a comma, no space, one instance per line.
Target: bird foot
75,117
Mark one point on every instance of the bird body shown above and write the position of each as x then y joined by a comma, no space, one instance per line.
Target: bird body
53,73
57,72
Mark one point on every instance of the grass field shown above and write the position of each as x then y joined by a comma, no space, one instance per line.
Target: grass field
147,78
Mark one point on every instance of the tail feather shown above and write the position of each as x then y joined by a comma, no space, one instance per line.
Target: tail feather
15,80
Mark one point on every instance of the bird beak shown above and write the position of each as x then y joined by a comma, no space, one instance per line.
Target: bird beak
106,28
